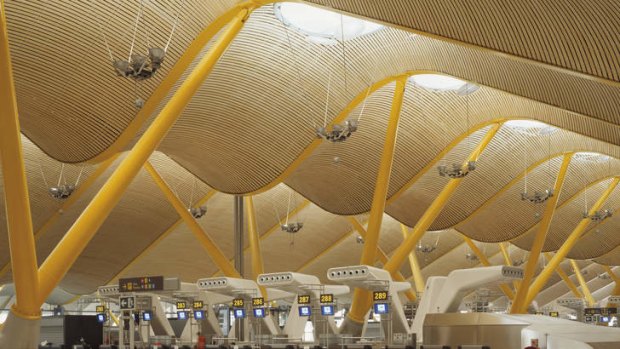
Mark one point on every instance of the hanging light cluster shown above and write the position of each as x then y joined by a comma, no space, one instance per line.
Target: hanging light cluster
338,132
198,212
470,256
425,248
62,192
538,197
604,276
518,262
141,66
456,171
292,227
598,216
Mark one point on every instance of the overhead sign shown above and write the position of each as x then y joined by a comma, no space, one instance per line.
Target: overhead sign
100,309
238,303
198,305
127,302
258,302
137,284
600,311
181,305
327,298
379,296
303,299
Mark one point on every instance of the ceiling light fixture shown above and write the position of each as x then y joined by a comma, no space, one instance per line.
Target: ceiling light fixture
338,132
62,191
456,171
292,227
538,197
598,216
322,26
198,212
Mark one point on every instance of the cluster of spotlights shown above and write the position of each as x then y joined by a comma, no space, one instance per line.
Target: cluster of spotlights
198,212
604,276
598,216
518,262
537,197
292,227
471,257
140,67
425,248
338,132
212,283
62,192
456,170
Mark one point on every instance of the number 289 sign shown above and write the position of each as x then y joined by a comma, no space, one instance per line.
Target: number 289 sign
379,296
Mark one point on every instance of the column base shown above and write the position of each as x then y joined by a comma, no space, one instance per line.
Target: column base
351,327
20,332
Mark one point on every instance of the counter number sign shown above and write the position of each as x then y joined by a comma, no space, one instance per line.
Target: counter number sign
181,305
379,296
258,302
303,299
554,314
198,305
100,309
327,298
238,303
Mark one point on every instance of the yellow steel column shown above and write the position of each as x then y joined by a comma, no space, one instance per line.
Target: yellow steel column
214,252
17,202
382,257
485,261
75,240
414,264
582,282
541,236
571,285
255,251
361,298
572,239
401,253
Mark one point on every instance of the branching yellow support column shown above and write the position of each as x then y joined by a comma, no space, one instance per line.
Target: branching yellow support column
560,254
414,264
382,256
79,235
518,305
582,282
257,257
571,285
435,208
17,201
214,252
361,298
485,261
81,189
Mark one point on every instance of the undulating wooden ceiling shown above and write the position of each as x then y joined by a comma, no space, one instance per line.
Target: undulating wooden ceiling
257,111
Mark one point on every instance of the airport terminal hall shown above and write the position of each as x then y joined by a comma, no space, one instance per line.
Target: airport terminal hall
309,174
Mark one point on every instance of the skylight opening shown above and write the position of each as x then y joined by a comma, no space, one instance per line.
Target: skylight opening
531,127
591,157
322,26
443,83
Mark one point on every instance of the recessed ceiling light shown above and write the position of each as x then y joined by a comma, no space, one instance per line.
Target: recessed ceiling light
322,26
